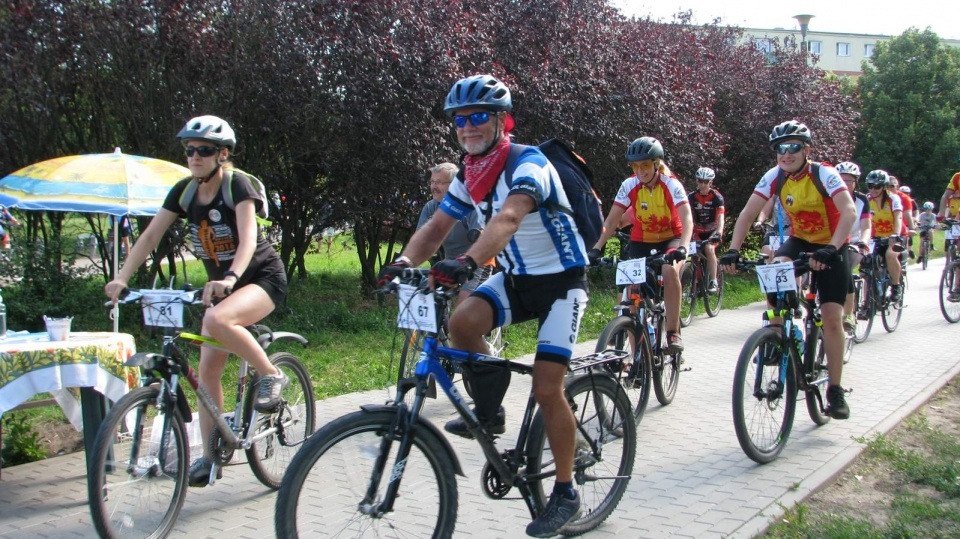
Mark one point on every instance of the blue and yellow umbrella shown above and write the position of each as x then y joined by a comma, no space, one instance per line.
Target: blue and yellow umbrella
111,183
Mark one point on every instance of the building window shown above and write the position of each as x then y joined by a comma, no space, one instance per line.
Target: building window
843,49
763,45
816,47
868,50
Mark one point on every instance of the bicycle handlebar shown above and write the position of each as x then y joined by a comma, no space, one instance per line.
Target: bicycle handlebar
132,295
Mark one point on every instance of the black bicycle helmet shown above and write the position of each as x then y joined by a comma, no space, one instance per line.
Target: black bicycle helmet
478,91
877,178
644,148
209,128
790,130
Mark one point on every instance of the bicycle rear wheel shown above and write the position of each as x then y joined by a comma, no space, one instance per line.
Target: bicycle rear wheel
712,302
691,293
815,369
135,488
293,422
950,309
634,377
342,472
605,447
764,397
863,308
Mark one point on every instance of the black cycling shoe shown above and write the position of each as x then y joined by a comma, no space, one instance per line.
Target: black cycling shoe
199,475
459,426
837,403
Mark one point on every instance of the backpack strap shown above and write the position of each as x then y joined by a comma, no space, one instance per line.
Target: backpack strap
814,172
187,195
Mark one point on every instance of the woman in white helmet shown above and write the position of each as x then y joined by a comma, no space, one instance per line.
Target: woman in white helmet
247,280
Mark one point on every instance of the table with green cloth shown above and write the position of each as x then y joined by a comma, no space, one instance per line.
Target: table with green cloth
93,361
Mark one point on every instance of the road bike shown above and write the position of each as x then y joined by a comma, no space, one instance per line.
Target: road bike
694,281
778,361
950,279
874,296
385,471
138,479
639,330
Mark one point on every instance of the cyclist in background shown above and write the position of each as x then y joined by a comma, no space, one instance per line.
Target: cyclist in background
706,203
246,277
859,235
915,207
542,280
6,220
772,214
907,224
663,224
926,222
822,212
887,210
463,234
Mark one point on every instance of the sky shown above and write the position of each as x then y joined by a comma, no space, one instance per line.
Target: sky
851,16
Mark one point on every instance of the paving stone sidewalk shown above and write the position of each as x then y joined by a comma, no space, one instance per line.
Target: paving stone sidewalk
690,480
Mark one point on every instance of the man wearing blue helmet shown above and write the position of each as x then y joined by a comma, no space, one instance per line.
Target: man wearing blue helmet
528,226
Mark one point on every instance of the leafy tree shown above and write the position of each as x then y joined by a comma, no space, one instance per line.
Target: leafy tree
911,111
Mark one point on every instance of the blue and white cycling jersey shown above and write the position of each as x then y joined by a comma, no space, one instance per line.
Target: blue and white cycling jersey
547,240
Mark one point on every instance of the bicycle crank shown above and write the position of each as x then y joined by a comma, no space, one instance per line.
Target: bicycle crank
492,484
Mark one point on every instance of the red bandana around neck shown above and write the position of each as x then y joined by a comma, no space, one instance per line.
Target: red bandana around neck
480,172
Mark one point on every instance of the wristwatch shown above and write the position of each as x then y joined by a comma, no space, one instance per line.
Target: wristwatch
231,273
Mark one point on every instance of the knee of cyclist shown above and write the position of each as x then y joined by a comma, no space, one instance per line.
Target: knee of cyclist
547,393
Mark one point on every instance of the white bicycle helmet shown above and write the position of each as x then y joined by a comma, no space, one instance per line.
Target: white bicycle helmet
209,128
905,189
849,167
705,174
928,206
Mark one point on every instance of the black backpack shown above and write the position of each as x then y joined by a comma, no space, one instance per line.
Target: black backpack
576,179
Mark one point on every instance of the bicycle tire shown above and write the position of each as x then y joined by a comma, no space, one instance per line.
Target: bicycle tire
690,294
665,370
815,369
269,457
712,303
892,311
635,378
143,500
926,254
949,309
863,308
763,422
601,475
323,489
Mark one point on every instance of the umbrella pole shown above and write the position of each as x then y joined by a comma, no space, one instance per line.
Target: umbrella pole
115,312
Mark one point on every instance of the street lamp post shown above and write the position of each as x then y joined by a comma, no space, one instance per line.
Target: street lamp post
804,21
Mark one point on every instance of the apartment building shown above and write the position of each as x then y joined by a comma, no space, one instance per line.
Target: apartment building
839,53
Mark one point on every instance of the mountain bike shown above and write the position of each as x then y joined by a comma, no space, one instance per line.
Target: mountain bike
776,362
694,280
385,471
926,242
141,455
642,335
950,279
875,298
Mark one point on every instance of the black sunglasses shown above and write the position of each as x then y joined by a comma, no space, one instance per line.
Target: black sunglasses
203,151
789,147
476,119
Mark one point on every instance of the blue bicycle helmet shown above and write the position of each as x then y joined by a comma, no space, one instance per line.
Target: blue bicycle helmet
644,148
478,91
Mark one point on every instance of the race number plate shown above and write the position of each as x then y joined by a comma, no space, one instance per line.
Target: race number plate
632,271
778,277
417,311
162,308
692,250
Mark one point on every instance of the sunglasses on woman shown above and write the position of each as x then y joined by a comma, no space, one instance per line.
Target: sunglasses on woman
476,119
789,148
202,151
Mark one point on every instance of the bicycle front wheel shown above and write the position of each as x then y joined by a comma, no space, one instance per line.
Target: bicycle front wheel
690,288
604,450
666,376
891,312
290,426
634,376
815,369
950,309
138,475
863,305
712,302
764,395
336,481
